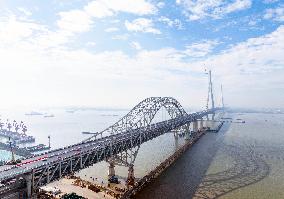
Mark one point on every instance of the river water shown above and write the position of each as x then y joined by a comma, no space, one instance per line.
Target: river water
241,161
244,160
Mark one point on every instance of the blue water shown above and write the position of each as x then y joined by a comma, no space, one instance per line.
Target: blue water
5,155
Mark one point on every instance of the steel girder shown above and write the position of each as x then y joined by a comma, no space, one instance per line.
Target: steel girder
125,158
57,170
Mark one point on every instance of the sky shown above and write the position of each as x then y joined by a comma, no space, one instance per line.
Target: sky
115,53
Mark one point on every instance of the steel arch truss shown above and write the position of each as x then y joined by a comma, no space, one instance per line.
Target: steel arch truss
143,113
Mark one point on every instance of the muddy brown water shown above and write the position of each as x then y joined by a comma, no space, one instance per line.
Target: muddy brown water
241,161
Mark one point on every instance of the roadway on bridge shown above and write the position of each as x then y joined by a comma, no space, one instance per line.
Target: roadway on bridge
45,159
103,144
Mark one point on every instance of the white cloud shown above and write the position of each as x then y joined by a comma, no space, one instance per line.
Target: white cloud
142,25
137,7
276,14
15,30
105,8
171,23
74,21
201,49
250,71
81,20
98,9
90,43
252,22
200,9
235,6
136,45
120,37
115,21
12,29
111,29
53,39
161,4
25,11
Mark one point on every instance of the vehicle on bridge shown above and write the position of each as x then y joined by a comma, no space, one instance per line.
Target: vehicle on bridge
129,132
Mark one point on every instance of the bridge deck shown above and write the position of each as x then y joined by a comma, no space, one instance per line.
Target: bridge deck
55,164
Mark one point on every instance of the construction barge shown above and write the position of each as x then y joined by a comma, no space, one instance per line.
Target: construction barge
37,148
24,151
17,137
19,151
141,183
216,130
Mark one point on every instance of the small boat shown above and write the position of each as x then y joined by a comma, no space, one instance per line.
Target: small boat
226,118
51,115
109,115
70,111
33,113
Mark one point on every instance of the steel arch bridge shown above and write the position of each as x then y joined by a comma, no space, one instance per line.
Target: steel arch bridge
143,114
129,132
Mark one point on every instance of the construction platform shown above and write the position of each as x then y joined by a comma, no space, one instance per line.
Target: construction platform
17,137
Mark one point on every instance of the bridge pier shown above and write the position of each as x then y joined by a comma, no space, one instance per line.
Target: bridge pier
195,126
201,124
207,123
111,170
130,178
28,179
176,141
175,133
210,123
187,131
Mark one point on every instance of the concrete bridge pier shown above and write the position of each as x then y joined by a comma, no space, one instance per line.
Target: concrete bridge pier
28,179
176,141
130,178
111,170
187,131
195,126
175,133
210,123
201,124
207,123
